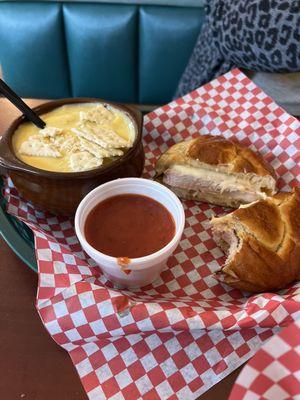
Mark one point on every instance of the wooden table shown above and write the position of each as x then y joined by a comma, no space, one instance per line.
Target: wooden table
32,366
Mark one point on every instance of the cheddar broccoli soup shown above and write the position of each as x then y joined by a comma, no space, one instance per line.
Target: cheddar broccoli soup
76,138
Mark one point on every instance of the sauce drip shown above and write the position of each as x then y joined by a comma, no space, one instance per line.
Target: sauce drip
129,225
124,262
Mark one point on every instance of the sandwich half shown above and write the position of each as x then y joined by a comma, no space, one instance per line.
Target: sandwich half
262,243
216,170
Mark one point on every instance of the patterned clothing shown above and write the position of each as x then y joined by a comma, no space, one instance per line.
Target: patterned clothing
259,35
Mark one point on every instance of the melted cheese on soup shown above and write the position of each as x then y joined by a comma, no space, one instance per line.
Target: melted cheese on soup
76,138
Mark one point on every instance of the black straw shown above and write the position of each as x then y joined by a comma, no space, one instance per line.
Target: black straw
19,103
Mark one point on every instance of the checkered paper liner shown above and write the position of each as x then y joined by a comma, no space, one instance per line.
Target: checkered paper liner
177,337
274,372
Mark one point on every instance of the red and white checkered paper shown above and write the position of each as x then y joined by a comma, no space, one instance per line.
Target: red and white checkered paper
178,337
274,372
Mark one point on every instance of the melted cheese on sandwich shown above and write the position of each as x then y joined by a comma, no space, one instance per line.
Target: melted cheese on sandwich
192,178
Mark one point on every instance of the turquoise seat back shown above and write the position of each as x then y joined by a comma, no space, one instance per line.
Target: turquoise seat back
122,52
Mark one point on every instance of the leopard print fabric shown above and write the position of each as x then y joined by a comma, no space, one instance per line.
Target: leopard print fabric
260,35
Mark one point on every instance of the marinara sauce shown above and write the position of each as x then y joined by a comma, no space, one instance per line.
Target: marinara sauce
129,225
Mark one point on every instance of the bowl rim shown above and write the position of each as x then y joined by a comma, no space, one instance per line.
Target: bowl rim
138,260
9,161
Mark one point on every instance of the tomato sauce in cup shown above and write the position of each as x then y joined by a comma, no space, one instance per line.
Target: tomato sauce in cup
138,221
129,225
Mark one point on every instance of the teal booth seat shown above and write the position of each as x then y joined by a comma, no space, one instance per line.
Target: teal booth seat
127,51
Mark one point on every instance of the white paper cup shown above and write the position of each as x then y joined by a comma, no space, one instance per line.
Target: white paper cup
143,270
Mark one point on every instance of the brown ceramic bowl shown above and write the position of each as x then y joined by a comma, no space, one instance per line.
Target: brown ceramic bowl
61,192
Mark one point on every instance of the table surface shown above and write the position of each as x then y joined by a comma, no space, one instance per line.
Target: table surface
32,365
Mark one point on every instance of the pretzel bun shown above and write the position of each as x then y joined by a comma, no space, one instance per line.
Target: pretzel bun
262,241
